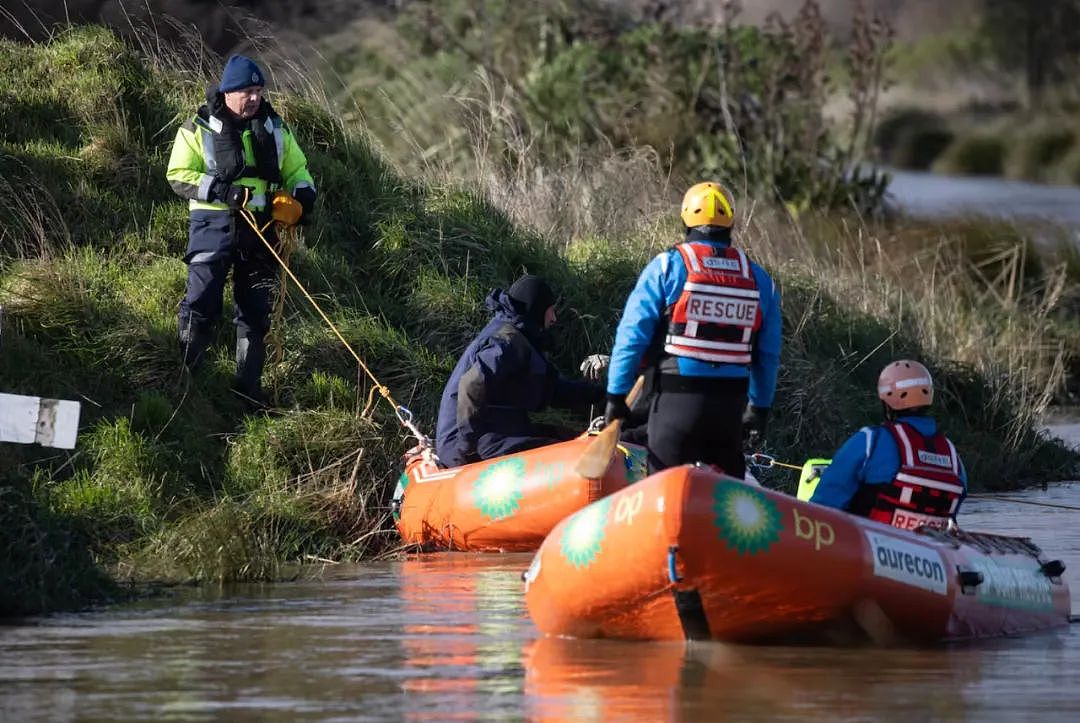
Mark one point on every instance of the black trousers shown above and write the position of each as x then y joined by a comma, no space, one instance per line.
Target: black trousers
223,243
697,419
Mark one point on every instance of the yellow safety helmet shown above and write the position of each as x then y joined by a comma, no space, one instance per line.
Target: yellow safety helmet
708,204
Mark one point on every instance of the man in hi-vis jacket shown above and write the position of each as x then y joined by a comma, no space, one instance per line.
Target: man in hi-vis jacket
235,154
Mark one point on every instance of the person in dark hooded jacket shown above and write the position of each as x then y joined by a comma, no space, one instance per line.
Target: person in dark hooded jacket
502,376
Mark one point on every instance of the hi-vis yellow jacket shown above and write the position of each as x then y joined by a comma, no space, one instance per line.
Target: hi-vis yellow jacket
193,165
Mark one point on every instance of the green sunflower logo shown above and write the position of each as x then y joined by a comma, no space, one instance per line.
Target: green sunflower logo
399,495
496,491
637,463
748,520
581,538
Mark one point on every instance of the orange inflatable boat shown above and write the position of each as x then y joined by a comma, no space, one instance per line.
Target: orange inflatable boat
689,553
509,504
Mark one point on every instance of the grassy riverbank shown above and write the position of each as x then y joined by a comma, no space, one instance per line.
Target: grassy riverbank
172,481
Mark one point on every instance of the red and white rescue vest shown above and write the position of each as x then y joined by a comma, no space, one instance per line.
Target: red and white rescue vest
927,489
719,310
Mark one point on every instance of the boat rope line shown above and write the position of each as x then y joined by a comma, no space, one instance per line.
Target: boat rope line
403,414
993,496
762,460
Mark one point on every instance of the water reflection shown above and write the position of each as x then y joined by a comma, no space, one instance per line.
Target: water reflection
462,633
568,680
447,637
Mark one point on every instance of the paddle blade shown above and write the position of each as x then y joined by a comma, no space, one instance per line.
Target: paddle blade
596,458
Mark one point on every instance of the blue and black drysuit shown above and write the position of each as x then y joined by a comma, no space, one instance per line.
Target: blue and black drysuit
867,460
697,406
502,376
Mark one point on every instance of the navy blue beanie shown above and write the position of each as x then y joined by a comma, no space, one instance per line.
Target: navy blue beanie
240,72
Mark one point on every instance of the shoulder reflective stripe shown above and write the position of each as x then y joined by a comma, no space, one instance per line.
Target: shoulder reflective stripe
869,434
722,290
909,455
257,201
744,264
689,256
204,187
955,457
932,483
730,358
209,158
279,142
703,344
268,124
215,124
304,184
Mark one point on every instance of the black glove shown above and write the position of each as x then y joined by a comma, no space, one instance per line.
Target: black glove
755,420
237,197
616,408
306,197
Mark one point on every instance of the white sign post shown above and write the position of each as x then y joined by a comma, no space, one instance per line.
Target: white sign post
33,420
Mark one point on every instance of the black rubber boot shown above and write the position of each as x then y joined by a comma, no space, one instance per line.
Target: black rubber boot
250,358
194,341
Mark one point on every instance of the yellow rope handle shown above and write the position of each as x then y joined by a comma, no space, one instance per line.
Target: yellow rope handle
379,387
275,339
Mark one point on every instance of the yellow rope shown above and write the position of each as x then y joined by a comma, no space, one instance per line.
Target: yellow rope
379,387
275,339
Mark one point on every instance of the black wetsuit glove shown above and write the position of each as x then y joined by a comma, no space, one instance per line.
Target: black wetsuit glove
755,420
616,408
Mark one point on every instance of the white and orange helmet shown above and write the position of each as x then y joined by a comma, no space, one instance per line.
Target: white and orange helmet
905,384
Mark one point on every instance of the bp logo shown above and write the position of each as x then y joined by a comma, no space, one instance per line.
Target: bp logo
748,520
584,533
496,491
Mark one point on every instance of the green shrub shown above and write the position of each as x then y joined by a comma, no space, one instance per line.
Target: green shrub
46,563
976,155
1034,154
911,137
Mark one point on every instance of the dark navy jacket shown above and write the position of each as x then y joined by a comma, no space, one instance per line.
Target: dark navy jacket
501,377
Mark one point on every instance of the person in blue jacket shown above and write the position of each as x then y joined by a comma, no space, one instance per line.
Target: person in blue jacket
502,376
707,321
904,472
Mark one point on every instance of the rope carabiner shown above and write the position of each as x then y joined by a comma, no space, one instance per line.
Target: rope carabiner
765,461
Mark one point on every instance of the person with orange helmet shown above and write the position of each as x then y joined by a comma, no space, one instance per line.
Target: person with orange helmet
705,321
904,472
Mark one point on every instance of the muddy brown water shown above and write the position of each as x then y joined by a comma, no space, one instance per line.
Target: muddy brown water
447,637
